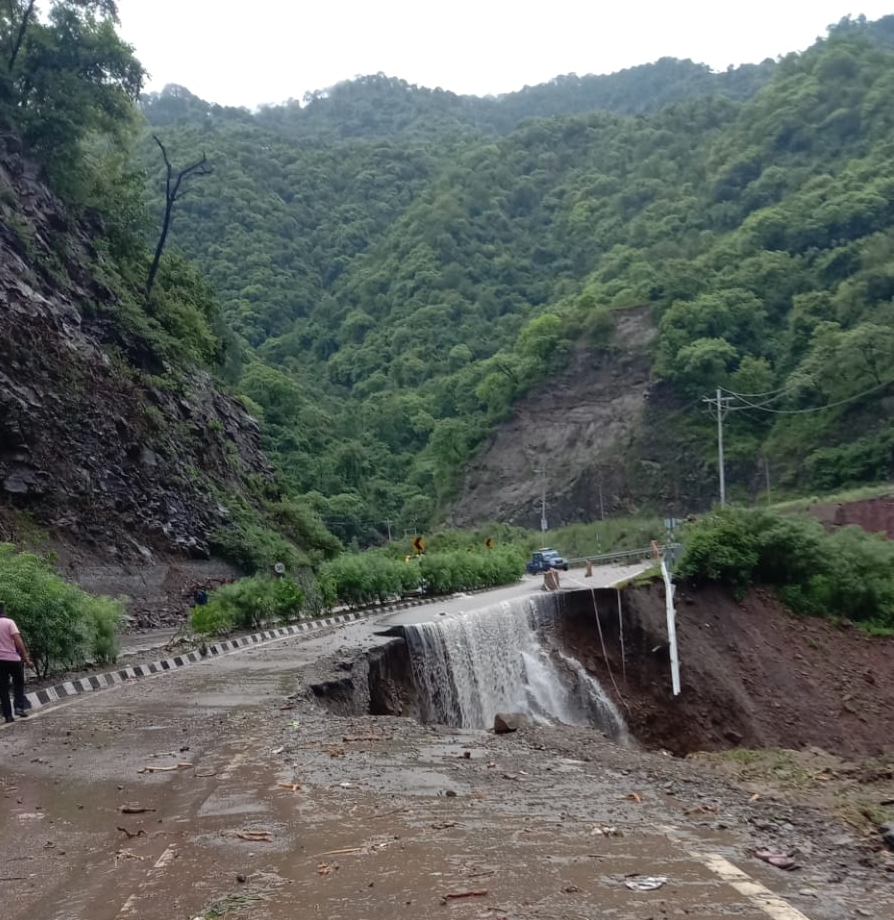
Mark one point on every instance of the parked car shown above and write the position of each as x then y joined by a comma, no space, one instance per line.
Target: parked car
544,559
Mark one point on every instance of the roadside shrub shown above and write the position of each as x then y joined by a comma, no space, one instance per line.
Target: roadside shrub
248,604
848,573
255,548
375,577
62,625
445,573
358,579
721,547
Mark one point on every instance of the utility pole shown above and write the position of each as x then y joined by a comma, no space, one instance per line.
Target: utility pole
767,476
544,526
720,405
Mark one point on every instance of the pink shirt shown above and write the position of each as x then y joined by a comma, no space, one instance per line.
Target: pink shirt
8,650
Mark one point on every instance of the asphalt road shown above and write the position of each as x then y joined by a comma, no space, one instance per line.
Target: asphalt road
217,790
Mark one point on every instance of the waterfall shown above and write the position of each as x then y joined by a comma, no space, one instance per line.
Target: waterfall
471,665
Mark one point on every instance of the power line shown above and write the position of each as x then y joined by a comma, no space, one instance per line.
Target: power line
722,405
841,402
755,395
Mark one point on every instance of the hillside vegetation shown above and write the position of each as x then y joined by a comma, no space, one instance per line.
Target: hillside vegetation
114,432
400,265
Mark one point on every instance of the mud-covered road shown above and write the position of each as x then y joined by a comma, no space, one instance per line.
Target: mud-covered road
222,790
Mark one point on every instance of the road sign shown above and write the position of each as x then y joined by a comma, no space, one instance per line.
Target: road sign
419,544
489,542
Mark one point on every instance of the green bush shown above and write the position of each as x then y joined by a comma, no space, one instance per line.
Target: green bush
721,547
445,573
63,626
848,573
248,604
375,577
360,579
256,548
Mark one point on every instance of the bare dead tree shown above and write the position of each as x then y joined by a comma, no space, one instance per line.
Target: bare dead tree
27,13
173,189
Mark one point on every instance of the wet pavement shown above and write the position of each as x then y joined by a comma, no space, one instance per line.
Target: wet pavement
219,790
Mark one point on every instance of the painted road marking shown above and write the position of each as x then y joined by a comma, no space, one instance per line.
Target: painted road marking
227,771
165,858
760,896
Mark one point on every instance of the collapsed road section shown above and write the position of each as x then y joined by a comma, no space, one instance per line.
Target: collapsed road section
227,789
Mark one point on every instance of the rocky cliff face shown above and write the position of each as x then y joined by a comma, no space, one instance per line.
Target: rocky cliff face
567,442
91,446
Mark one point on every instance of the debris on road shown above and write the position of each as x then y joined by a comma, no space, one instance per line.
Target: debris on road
254,836
121,855
777,859
646,883
455,895
178,766
131,834
134,810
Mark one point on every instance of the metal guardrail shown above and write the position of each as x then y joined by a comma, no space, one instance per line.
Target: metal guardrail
671,549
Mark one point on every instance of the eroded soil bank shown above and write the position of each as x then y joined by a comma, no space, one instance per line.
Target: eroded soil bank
753,675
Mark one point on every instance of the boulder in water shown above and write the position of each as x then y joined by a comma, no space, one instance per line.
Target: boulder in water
509,722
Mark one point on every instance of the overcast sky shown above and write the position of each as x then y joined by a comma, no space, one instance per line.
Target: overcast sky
268,51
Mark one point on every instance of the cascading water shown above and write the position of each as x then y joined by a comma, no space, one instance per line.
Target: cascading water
470,666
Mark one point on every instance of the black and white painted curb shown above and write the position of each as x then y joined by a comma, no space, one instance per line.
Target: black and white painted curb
70,688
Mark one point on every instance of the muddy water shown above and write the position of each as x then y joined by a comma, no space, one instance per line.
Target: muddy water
262,805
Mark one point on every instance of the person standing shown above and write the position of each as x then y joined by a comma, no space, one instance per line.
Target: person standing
13,658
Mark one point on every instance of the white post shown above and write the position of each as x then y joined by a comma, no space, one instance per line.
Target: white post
671,627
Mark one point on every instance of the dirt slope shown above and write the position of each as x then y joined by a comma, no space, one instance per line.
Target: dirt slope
752,674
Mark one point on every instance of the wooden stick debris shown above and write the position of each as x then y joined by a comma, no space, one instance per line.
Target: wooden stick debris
254,836
132,834
453,895
178,766
134,810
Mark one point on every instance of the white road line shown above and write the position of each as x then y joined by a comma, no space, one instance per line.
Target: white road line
760,896
227,771
165,858
129,906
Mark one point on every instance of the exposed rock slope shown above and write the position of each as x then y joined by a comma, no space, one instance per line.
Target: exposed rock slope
567,440
91,446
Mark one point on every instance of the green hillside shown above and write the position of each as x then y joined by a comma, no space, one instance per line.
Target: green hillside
400,265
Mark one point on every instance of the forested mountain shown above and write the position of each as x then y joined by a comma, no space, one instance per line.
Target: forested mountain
402,265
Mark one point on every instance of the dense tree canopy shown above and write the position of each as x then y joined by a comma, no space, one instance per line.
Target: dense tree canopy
402,264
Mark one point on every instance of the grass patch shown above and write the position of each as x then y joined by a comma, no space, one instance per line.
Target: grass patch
229,904
578,541
844,497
